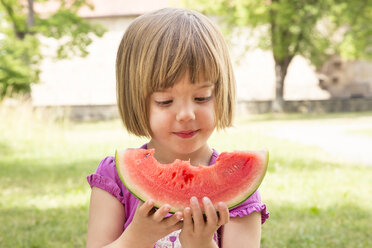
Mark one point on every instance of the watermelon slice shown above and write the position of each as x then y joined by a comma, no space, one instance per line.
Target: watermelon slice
232,179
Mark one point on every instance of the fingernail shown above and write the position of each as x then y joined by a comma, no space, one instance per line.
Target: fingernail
194,199
179,216
187,210
206,199
167,208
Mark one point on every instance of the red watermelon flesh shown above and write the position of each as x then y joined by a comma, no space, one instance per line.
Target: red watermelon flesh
232,179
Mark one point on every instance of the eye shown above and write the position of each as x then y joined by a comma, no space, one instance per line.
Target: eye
164,103
203,99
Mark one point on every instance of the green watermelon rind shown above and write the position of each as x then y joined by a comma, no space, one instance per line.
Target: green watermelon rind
229,205
124,182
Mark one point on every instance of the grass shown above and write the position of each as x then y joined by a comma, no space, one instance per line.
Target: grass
313,201
362,132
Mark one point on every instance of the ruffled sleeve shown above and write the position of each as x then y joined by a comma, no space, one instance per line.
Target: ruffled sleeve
252,204
106,178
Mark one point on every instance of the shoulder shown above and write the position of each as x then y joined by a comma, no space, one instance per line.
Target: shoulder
107,167
106,170
106,177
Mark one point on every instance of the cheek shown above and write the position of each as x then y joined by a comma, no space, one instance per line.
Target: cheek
153,118
158,119
208,115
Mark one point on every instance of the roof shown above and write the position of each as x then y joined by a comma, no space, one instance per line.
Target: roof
108,8
123,7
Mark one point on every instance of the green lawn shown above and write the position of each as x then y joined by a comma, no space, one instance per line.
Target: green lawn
313,201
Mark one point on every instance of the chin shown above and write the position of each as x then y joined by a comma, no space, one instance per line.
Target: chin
186,148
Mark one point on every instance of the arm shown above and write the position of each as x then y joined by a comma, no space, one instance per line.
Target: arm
242,232
106,223
106,218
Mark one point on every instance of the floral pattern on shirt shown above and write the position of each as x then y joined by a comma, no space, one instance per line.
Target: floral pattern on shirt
170,241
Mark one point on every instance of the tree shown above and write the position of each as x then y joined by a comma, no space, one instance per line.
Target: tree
314,29
21,31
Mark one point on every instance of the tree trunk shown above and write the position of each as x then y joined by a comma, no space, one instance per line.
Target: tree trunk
281,67
30,16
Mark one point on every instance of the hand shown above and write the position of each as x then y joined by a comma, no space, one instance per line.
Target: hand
150,225
197,231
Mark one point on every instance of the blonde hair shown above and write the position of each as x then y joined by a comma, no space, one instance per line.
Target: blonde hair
157,49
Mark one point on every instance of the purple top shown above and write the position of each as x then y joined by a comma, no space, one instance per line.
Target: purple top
107,178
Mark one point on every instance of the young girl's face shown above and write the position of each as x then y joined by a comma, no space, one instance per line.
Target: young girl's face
182,118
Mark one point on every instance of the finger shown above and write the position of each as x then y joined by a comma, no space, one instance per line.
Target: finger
174,219
197,214
210,211
223,211
161,213
145,208
188,225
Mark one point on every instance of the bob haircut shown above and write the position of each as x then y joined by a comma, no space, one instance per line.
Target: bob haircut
157,49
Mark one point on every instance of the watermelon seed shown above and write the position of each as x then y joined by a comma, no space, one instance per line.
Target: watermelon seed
148,154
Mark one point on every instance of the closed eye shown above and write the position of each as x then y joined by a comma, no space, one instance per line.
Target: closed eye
163,103
203,99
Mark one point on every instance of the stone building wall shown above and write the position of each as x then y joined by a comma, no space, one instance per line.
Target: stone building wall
308,106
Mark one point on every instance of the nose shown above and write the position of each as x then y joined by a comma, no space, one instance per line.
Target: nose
185,112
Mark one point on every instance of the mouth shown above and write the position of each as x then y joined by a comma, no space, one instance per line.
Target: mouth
186,134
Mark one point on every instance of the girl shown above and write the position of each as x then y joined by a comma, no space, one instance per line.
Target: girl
175,85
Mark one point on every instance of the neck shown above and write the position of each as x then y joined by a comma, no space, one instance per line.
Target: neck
201,156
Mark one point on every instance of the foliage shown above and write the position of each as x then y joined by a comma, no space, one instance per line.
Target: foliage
19,60
21,42
357,17
311,28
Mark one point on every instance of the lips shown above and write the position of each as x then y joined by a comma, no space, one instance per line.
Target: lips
186,134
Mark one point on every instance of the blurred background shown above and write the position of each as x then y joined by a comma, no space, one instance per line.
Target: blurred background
304,84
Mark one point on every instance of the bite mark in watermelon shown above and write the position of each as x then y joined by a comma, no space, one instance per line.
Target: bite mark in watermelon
232,179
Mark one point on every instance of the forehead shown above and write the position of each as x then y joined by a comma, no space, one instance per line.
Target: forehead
185,83
194,77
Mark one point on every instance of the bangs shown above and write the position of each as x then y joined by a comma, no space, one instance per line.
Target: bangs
185,46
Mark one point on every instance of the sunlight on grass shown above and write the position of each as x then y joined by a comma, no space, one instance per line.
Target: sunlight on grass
362,132
313,200
47,201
